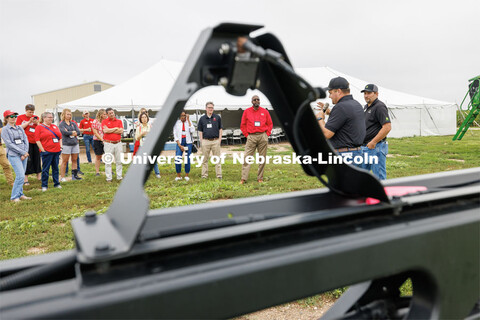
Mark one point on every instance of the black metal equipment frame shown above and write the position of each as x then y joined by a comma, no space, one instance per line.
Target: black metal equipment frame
235,257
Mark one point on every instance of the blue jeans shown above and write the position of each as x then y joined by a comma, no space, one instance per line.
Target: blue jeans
351,155
178,167
50,159
379,169
19,167
155,168
88,140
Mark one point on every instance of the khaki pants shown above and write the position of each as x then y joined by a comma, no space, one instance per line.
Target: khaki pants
114,149
6,166
214,147
257,141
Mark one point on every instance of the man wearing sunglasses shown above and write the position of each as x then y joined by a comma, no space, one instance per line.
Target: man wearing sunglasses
256,126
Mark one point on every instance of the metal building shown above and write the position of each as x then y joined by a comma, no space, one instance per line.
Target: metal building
49,100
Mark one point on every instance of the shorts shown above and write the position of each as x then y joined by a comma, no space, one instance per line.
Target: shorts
71,149
98,147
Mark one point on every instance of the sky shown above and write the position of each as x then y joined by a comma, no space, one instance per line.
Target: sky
427,48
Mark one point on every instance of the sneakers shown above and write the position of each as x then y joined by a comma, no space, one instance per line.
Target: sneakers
64,180
44,189
15,200
80,172
119,179
25,198
158,176
109,180
58,187
260,180
187,178
242,181
97,174
178,178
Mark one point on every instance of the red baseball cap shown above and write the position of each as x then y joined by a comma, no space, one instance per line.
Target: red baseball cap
9,113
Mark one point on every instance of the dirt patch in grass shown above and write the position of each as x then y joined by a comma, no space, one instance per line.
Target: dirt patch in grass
36,250
290,311
400,155
458,160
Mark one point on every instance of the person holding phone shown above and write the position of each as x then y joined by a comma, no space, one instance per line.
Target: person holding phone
29,121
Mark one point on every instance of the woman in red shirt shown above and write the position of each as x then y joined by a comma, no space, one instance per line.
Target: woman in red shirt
49,140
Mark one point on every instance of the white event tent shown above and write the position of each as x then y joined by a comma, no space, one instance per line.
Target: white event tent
411,115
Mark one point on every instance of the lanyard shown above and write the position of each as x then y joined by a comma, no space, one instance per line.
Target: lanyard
50,131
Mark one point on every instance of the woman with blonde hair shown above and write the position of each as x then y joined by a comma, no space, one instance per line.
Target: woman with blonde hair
71,146
98,138
142,129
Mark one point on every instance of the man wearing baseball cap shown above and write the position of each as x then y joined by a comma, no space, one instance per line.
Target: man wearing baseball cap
378,125
345,128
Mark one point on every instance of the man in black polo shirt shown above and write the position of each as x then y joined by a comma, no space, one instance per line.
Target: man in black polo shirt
345,128
210,133
378,126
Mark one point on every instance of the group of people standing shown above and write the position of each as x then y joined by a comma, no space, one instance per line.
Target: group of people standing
354,130
256,125
34,145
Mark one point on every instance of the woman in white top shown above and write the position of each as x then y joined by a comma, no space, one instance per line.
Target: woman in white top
182,133
142,129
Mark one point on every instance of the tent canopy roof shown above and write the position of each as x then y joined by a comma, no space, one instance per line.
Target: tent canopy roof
150,89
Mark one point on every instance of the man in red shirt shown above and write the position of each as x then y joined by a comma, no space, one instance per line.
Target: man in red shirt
86,128
256,126
112,136
29,122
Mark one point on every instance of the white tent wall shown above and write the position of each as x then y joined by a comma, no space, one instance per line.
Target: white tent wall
411,115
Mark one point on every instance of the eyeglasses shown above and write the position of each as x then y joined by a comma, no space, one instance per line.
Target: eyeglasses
255,99
12,116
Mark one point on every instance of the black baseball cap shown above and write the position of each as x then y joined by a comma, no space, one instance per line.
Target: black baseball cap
370,88
338,83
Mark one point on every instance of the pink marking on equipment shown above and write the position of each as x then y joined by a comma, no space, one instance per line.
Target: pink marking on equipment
397,191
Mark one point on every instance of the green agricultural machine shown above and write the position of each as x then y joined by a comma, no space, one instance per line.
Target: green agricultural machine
473,108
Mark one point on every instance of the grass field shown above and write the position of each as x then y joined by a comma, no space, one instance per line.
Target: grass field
43,224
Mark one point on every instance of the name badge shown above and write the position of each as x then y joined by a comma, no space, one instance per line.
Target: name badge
31,129
71,137
55,140
18,141
257,123
186,148
209,125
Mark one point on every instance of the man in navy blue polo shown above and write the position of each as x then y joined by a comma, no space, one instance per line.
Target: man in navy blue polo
345,128
377,122
210,132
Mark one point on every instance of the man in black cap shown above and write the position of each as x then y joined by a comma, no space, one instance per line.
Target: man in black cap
346,125
378,126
